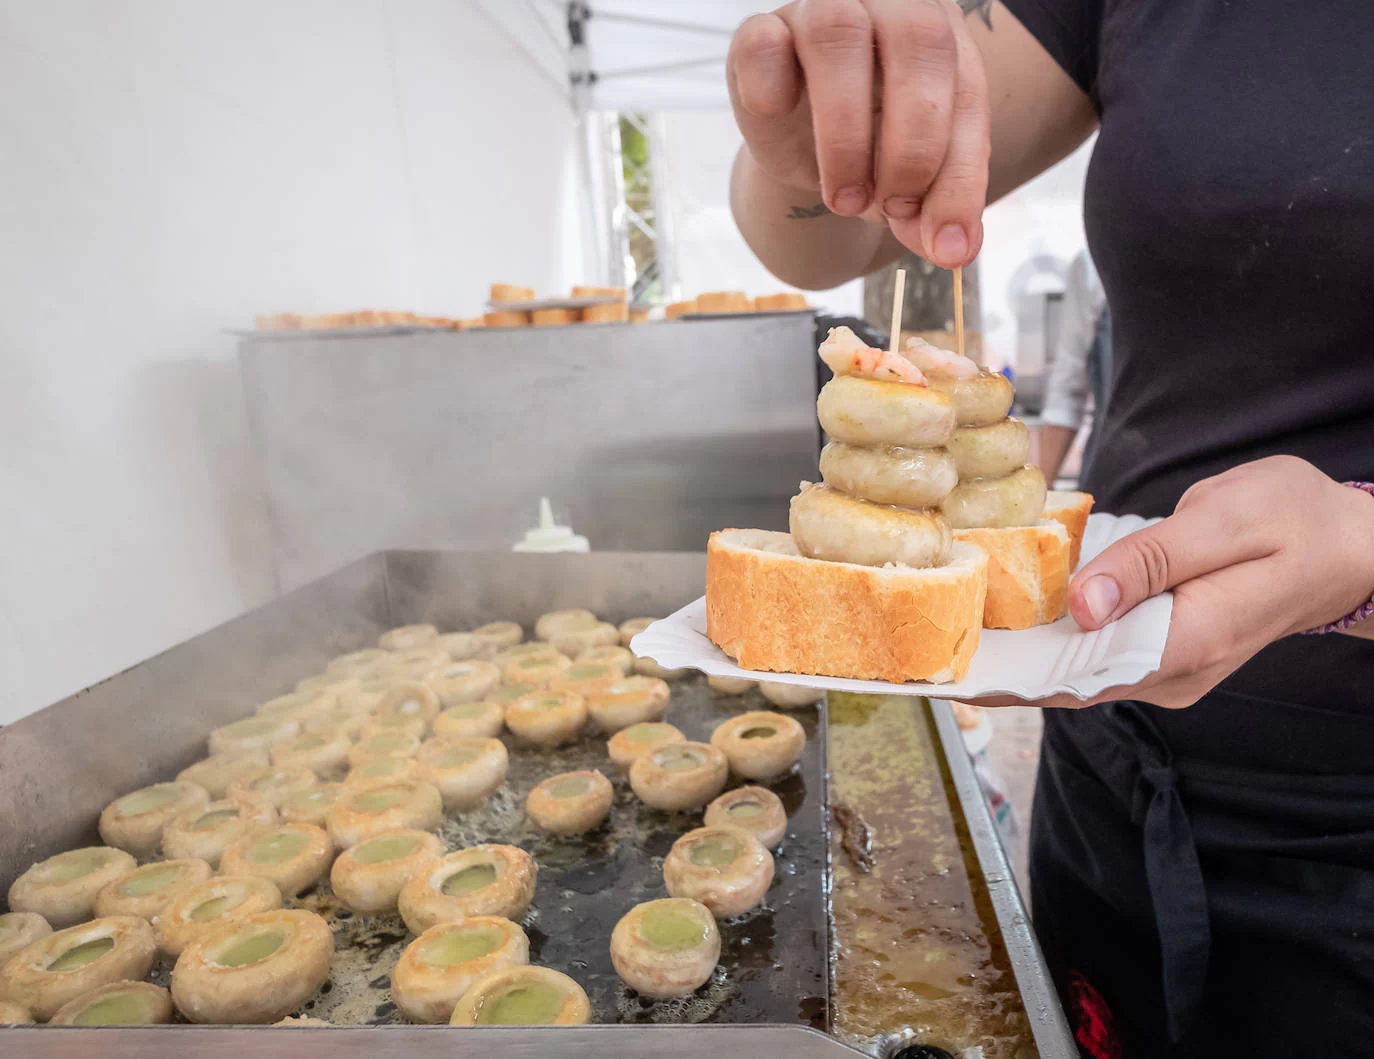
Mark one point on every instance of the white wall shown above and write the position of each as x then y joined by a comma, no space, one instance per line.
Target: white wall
168,170
712,255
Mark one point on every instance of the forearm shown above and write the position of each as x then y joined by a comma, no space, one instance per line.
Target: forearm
1053,444
796,237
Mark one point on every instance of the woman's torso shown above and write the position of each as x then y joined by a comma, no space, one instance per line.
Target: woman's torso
1230,211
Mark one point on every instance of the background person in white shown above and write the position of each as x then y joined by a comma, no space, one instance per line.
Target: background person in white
1080,365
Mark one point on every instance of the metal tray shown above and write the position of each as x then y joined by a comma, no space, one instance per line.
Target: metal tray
59,767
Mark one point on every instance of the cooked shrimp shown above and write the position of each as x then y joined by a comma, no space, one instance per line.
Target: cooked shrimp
845,354
938,361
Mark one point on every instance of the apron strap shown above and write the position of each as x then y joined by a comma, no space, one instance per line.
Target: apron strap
1178,893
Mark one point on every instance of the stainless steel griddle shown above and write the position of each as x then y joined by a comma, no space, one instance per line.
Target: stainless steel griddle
61,766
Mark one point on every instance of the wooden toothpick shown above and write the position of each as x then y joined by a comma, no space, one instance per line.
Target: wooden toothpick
898,289
959,311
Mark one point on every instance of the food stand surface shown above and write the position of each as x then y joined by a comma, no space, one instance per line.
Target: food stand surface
893,919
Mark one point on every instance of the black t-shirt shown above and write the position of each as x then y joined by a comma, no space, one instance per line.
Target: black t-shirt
1230,211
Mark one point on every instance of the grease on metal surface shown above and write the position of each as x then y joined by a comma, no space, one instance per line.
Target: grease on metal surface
855,837
917,952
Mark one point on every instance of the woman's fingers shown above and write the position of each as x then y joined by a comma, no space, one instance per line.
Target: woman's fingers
806,81
1196,540
918,54
834,42
767,94
952,217
762,71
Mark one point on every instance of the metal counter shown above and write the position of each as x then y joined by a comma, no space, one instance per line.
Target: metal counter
61,766
448,439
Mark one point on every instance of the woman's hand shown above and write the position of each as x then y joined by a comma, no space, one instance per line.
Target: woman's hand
1262,551
881,105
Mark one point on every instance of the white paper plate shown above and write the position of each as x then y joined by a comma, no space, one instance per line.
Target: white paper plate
1030,663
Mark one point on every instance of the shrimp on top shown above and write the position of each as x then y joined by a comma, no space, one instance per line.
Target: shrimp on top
845,354
936,361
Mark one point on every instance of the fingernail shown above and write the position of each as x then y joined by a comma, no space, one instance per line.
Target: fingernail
1101,594
901,209
951,244
851,200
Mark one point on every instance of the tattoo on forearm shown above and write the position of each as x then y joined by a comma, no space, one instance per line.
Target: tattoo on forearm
981,8
805,213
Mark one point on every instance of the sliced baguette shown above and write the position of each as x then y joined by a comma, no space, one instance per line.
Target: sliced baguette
673,310
766,303
724,301
506,318
606,313
278,321
771,609
554,317
511,292
1071,510
599,292
1028,573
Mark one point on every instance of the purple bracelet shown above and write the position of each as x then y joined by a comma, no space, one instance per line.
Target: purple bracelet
1364,610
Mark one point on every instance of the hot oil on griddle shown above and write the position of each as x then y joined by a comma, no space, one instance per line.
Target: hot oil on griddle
773,964
917,947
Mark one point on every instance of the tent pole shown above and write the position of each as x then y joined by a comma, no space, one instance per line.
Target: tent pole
665,245
596,226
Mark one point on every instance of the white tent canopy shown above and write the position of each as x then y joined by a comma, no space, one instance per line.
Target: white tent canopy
648,55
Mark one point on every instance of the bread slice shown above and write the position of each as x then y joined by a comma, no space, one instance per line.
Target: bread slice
599,292
506,318
724,301
766,303
510,292
278,321
1071,510
554,317
771,609
1028,573
673,310
606,313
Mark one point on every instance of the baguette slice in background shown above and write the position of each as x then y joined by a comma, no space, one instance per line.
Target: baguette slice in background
673,310
554,317
510,292
1071,510
506,318
606,313
771,609
765,303
599,292
278,321
724,301
1028,573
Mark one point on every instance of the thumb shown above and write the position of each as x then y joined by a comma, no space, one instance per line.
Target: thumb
1152,560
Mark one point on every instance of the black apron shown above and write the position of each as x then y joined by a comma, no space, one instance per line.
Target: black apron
1207,875
1192,904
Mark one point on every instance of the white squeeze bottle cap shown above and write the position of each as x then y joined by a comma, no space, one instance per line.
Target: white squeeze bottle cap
548,536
